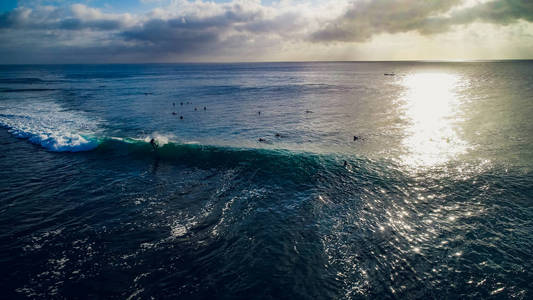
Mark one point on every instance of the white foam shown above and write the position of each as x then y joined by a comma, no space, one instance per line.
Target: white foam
160,139
49,125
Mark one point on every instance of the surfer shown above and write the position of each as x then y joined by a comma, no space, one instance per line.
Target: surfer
154,144
259,113
345,163
355,137
205,107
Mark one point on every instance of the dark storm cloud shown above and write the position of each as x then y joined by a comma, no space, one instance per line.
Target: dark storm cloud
183,34
78,17
78,24
498,12
12,18
163,35
366,18
187,31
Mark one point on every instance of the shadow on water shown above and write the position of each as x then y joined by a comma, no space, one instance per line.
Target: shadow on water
155,164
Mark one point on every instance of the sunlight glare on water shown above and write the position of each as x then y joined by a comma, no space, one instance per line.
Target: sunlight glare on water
433,199
432,109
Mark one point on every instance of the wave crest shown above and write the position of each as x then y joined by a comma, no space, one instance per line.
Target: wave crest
48,125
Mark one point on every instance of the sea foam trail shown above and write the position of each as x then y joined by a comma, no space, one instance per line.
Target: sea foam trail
49,125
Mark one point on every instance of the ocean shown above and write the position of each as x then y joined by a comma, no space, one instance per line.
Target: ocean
327,180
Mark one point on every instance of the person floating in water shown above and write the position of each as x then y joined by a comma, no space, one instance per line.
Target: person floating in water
181,117
154,144
205,107
355,137
259,113
262,140
173,103
174,113
181,103
195,109
345,163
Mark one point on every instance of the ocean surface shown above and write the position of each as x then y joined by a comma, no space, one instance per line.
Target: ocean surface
258,188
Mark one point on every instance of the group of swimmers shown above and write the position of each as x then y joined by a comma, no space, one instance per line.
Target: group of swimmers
181,104
278,135
262,140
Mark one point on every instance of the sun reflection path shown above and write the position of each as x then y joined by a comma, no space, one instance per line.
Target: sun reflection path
432,111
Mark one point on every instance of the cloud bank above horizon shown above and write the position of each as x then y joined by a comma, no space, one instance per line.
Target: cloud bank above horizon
252,30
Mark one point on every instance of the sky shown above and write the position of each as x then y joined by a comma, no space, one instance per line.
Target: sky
138,31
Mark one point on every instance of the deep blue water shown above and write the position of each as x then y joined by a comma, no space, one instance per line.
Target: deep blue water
433,199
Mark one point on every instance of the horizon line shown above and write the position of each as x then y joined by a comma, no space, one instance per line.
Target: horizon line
280,61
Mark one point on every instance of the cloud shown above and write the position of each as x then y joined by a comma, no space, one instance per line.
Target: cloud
75,17
193,29
241,29
503,12
366,18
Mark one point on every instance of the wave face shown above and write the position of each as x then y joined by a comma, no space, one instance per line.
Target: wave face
50,126
431,199
252,220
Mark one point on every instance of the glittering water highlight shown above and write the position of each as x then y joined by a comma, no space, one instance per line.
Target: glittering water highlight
433,198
